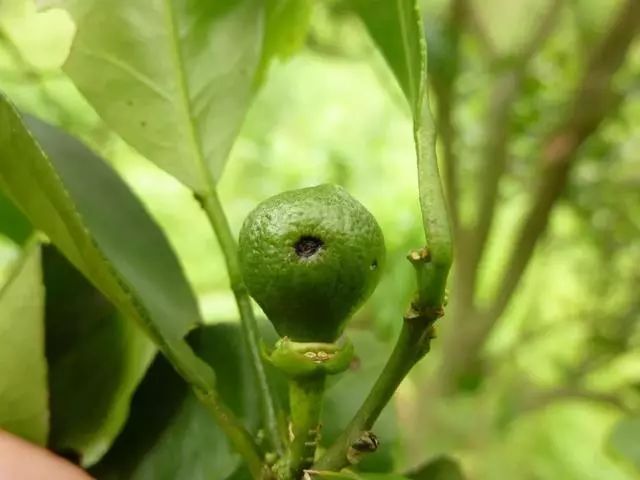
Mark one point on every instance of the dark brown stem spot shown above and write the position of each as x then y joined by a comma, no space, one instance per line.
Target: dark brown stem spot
308,246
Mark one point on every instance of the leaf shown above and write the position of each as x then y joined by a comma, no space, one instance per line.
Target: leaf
98,224
441,468
348,475
170,435
396,28
346,392
96,359
23,368
624,441
286,26
320,475
173,78
12,223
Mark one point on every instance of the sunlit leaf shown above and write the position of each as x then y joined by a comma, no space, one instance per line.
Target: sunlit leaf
173,79
23,368
170,435
92,217
96,359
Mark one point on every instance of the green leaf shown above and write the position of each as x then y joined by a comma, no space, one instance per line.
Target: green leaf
346,392
173,78
96,359
319,475
624,441
170,435
348,475
396,28
441,468
287,23
23,368
98,224
12,223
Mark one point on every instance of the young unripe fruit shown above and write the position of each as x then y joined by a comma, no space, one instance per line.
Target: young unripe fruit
310,258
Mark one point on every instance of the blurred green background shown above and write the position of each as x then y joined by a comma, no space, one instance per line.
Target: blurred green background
561,368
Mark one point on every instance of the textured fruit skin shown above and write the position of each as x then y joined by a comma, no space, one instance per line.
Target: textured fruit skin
309,288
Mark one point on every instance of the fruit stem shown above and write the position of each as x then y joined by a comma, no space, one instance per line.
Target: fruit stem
212,206
305,400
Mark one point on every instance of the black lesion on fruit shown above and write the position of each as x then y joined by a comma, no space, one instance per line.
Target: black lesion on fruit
374,264
307,246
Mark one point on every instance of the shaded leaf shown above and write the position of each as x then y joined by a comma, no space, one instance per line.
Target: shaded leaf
624,441
170,435
441,468
173,79
396,29
12,223
96,359
23,368
98,224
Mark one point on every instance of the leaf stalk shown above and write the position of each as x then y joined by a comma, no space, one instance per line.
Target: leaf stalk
212,206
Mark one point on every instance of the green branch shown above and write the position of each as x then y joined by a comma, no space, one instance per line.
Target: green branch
432,263
432,266
433,272
412,344
213,208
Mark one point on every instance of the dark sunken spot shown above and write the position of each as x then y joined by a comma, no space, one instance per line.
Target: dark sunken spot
374,264
308,246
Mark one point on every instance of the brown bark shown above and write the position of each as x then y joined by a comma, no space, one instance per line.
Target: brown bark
463,331
593,100
495,153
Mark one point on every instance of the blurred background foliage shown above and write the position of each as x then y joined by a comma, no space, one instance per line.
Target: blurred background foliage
555,383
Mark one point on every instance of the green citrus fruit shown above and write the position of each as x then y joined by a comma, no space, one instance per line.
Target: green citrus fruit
310,258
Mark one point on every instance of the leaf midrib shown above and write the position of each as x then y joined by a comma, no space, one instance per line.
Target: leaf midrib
196,141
